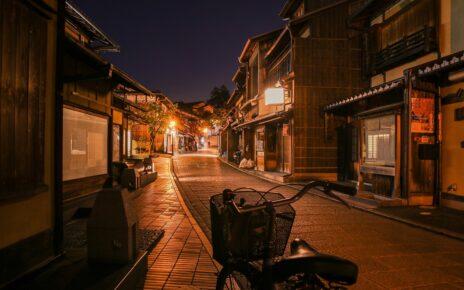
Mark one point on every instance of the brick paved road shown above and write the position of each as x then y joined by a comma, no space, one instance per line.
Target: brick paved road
391,255
179,260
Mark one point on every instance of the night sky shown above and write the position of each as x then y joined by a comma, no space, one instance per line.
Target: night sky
182,47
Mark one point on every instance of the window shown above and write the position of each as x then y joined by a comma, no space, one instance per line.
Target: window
457,29
254,77
380,141
280,70
85,145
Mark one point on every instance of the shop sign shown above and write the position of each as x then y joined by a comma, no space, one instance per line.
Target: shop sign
422,115
274,96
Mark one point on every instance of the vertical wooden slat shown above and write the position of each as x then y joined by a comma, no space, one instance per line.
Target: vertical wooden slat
43,40
33,89
8,97
23,147
2,9
23,61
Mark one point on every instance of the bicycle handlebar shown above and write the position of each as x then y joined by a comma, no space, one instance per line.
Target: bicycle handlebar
328,187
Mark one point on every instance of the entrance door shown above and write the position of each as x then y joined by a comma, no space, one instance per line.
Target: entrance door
271,148
347,151
452,152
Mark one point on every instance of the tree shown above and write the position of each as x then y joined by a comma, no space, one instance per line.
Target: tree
218,96
157,119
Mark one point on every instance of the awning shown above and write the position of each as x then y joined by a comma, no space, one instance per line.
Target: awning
367,94
276,116
442,65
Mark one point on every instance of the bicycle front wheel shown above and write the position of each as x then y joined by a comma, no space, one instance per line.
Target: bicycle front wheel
236,277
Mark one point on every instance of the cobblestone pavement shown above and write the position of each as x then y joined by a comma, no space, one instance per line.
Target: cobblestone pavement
391,255
180,260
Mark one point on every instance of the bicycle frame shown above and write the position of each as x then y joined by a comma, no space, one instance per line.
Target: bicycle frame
265,280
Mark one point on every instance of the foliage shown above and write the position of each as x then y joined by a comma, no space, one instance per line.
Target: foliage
218,99
157,119
218,96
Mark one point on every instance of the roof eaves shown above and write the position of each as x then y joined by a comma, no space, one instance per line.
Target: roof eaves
252,40
131,81
277,41
285,12
310,14
77,17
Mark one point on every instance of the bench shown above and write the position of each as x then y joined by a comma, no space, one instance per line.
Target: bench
134,173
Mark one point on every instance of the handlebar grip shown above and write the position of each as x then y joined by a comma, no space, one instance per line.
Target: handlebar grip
343,188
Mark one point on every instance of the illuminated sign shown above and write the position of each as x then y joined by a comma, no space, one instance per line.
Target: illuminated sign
274,96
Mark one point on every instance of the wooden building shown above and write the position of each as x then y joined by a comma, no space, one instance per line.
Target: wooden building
30,211
310,62
390,140
98,112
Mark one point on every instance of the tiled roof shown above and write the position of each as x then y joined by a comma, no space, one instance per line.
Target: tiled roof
442,64
367,94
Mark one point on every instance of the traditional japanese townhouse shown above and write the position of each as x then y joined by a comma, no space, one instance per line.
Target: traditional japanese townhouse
30,205
97,114
250,82
187,131
388,144
130,130
234,140
444,77
164,141
300,69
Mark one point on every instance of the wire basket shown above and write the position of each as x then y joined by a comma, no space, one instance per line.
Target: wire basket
244,236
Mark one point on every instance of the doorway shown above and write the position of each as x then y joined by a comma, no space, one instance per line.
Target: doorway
271,144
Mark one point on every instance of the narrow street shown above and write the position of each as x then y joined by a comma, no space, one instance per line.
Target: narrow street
391,255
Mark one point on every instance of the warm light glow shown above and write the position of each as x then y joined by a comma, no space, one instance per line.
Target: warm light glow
274,96
205,130
172,124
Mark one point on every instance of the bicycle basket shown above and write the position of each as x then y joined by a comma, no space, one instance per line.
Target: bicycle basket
244,236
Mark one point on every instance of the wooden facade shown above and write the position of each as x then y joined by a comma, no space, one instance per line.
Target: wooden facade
399,36
29,215
315,59
327,68
101,101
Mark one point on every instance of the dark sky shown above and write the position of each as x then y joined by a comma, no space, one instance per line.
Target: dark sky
182,47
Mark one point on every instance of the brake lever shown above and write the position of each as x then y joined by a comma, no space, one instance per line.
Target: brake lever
328,191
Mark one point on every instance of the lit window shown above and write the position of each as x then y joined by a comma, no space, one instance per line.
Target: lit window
85,145
380,141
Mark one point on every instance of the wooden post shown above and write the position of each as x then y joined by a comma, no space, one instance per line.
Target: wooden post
397,180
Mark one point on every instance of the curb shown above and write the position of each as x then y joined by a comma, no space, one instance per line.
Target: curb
201,234
431,229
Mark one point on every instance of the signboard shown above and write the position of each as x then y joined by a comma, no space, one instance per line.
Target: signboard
422,115
274,96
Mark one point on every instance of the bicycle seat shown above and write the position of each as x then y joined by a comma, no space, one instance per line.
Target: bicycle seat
303,260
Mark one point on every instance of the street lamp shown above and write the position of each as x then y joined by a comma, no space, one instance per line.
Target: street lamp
172,124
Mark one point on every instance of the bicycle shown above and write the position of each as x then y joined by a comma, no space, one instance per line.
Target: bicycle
250,230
